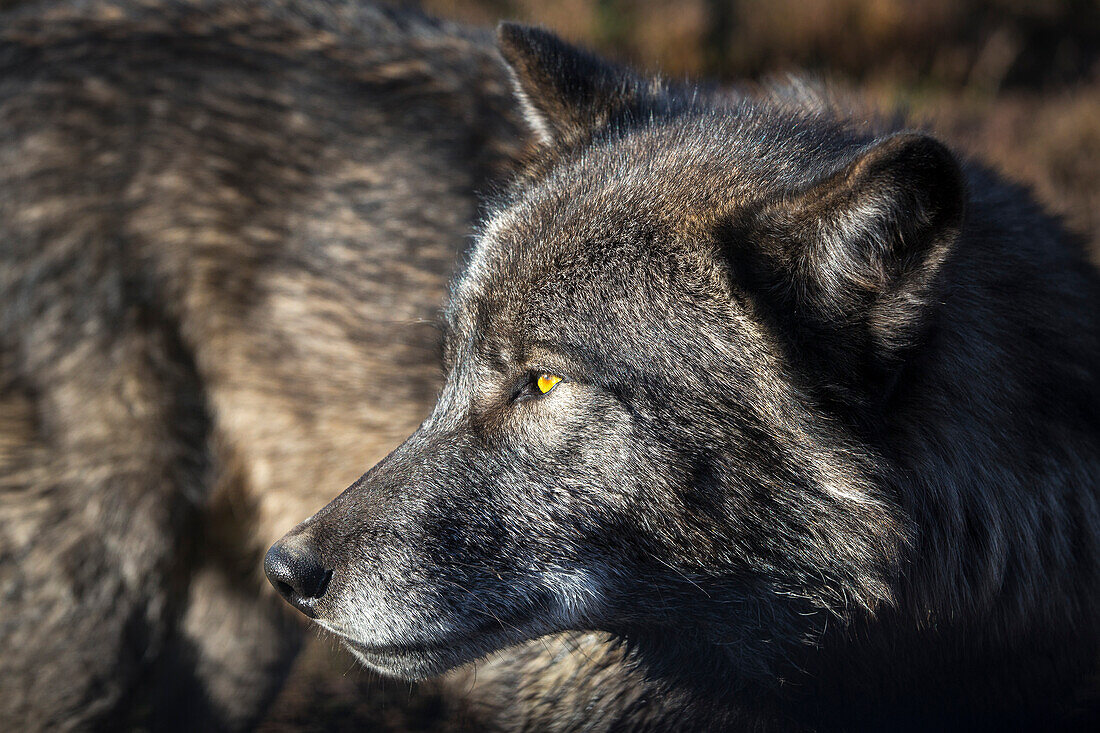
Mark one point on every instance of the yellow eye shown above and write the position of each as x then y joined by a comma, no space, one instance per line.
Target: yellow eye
546,382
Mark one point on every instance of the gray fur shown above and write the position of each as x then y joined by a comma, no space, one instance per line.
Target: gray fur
826,450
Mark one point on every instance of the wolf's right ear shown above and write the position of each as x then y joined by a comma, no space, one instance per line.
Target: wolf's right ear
567,93
848,266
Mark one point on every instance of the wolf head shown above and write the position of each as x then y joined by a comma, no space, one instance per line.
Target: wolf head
664,363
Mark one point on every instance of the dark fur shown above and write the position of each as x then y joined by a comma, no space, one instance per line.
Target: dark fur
827,447
225,230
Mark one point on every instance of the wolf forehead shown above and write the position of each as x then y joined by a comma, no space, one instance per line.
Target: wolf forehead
653,193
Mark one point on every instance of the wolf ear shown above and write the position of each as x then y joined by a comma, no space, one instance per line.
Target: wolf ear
566,93
850,262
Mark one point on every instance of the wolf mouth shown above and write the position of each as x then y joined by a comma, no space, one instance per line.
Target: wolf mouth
419,660
395,652
384,654
403,651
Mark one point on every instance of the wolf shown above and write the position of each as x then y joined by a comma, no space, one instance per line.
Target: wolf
226,229
800,409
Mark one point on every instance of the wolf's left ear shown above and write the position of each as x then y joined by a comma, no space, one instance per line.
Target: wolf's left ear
567,93
850,263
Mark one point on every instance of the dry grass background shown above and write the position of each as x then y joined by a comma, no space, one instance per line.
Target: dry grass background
1013,82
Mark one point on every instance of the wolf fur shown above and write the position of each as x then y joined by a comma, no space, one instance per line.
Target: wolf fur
825,449
225,232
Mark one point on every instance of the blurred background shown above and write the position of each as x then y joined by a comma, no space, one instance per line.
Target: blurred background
1013,82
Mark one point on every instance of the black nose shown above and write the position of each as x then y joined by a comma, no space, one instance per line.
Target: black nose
295,568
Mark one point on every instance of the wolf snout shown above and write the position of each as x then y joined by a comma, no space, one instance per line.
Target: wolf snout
296,569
